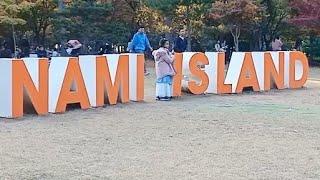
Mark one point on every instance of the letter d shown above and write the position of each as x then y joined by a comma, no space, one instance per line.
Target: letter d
299,69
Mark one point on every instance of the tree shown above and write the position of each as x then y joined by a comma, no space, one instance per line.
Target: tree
235,15
92,22
190,14
82,20
306,14
126,10
39,15
152,18
9,11
274,14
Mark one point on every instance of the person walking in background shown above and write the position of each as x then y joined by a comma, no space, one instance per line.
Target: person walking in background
221,47
25,48
298,45
55,53
129,49
181,43
217,46
140,44
41,52
164,71
277,44
224,46
17,52
105,49
5,51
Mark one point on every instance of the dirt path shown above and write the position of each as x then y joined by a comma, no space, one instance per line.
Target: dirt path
273,135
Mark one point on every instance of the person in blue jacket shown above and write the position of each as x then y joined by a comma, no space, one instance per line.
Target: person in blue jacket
140,43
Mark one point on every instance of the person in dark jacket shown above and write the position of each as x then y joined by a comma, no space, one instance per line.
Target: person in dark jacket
5,51
180,44
41,52
25,48
105,49
298,45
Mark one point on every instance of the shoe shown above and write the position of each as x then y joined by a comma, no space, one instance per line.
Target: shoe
165,99
146,73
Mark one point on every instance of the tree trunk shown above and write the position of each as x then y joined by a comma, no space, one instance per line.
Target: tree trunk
43,35
236,43
14,40
236,36
189,30
189,48
267,42
37,38
261,43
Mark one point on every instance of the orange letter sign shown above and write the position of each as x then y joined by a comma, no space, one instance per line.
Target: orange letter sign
21,79
104,81
295,57
73,74
178,77
195,70
222,88
248,75
270,71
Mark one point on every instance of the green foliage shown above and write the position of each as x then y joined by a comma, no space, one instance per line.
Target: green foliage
90,22
275,12
153,19
190,14
38,15
180,13
246,23
236,15
9,11
81,20
312,47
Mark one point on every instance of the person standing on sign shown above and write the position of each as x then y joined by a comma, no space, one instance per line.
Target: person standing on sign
164,71
140,44
180,44
74,47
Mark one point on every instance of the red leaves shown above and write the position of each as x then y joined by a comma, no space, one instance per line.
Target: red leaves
307,13
234,11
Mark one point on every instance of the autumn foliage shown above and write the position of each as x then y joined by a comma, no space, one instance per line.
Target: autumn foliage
237,15
306,13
